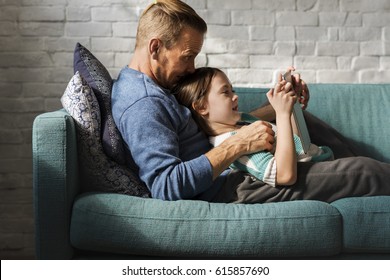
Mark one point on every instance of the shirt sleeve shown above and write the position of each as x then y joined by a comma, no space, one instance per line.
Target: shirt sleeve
262,165
151,132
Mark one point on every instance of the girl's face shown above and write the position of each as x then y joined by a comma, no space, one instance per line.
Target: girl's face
221,106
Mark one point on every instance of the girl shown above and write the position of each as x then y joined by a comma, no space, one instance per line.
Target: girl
209,95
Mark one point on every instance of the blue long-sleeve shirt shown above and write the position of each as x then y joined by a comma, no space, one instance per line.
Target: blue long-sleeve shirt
164,143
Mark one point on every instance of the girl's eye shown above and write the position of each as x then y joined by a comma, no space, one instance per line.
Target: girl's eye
228,92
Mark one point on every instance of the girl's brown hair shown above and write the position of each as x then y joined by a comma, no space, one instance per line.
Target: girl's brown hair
165,19
192,92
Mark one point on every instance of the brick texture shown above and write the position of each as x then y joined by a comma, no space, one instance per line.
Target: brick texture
340,41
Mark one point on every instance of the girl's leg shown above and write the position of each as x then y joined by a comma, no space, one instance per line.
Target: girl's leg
325,181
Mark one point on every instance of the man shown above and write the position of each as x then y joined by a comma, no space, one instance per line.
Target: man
172,155
173,171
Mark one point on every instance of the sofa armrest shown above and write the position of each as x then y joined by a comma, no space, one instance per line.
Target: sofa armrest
55,183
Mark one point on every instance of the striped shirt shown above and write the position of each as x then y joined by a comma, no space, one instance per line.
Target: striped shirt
262,165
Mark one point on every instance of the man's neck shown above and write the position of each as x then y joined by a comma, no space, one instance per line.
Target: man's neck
140,63
137,62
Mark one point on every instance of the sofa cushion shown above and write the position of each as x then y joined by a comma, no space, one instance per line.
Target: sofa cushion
357,111
131,225
99,79
366,224
98,172
321,133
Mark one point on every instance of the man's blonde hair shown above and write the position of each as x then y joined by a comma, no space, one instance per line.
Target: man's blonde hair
165,19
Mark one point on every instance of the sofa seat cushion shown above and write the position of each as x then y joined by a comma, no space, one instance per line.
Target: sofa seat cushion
131,225
366,224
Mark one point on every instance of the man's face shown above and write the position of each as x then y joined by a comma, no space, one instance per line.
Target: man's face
178,61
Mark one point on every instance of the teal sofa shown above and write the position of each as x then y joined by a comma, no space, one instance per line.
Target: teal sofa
70,224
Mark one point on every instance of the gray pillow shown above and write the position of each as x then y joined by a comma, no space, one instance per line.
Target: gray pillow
98,171
99,79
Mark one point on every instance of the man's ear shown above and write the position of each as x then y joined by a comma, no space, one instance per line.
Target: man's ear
201,109
154,47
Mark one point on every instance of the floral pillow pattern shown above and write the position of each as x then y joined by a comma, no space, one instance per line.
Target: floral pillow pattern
99,79
98,171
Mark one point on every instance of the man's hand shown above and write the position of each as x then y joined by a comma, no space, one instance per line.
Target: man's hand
301,90
255,137
249,139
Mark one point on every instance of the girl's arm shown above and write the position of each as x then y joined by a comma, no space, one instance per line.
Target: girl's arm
282,98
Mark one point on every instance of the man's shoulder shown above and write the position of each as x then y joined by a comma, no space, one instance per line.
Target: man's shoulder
132,86
129,83
136,94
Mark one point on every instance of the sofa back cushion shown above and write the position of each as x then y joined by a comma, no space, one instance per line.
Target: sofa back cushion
358,111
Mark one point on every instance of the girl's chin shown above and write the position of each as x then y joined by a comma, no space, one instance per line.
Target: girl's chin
237,115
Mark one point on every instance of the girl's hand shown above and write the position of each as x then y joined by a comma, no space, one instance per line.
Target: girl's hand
282,98
300,87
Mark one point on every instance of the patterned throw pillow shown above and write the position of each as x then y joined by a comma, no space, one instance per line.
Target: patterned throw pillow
98,78
98,172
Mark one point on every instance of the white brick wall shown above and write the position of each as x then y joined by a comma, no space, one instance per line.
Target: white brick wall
343,41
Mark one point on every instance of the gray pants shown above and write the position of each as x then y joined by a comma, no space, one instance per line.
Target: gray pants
347,176
325,181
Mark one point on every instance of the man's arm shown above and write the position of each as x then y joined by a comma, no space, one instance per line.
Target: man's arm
151,133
